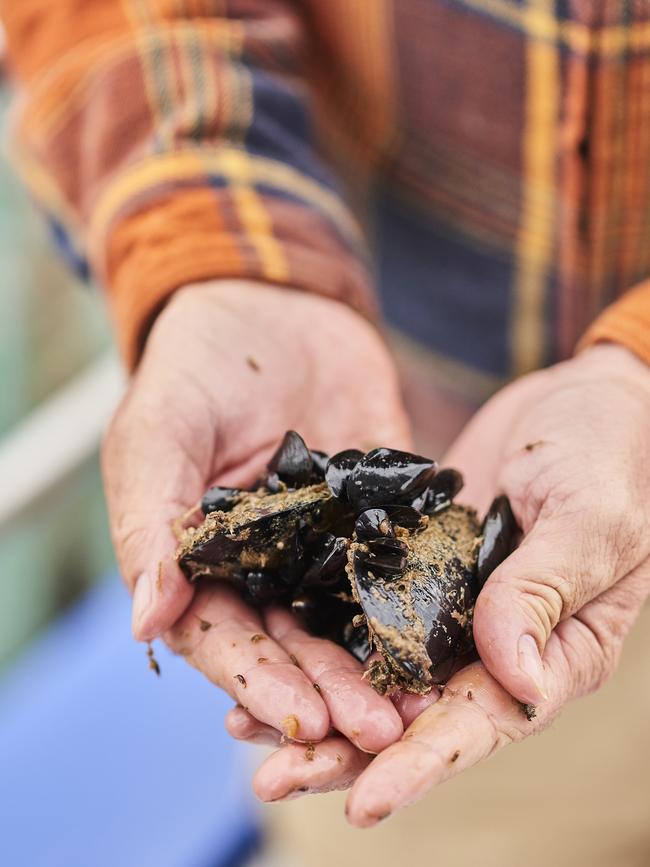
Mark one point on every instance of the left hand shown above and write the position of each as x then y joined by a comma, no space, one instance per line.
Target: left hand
570,446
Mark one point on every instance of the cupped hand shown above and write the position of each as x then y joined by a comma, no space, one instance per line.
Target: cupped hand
570,447
229,367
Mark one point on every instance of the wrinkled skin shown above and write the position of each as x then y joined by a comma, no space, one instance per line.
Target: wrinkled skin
570,592
570,447
197,413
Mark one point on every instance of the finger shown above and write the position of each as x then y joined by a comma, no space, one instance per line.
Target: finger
225,640
559,567
410,706
149,482
242,726
368,719
296,770
475,716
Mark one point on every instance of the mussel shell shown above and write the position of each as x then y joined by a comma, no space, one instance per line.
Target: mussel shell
386,555
442,490
356,640
500,532
292,461
421,618
259,533
319,465
404,516
218,499
373,524
388,476
265,587
328,568
338,469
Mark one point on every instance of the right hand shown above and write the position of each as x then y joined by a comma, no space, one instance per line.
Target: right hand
228,367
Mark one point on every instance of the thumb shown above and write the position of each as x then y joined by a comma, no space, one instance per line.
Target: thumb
548,578
149,484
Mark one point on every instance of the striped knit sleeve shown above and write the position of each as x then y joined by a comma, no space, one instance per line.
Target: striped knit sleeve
626,321
172,141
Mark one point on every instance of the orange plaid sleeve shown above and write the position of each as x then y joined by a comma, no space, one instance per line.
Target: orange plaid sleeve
171,141
627,322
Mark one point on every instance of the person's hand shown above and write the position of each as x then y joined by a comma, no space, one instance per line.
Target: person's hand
229,367
571,448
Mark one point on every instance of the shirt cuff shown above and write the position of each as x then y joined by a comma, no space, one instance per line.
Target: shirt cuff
626,322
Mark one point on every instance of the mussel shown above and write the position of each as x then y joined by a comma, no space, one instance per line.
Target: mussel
368,550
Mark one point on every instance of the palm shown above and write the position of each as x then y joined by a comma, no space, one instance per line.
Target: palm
227,370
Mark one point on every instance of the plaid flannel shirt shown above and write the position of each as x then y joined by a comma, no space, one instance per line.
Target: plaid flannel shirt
483,164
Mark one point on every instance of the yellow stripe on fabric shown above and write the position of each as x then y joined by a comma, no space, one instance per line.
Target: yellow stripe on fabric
542,24
534,244
232,164
258,227
253,215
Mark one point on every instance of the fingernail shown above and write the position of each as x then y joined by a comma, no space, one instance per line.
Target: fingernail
530,662
142,605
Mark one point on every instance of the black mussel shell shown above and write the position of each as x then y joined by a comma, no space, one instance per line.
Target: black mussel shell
217,499
387,555
319,465
373,524
388,476
499,532
270,482
404,516
264,588
292,461
442,490
328,568
304,605
421,617
264,533
324,613
338,469
356,641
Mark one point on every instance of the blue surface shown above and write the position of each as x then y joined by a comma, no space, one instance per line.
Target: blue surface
102,763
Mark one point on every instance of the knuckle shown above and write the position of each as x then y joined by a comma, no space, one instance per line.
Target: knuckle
542,602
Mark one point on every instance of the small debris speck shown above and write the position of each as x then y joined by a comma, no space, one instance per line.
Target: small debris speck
530,711
294,659
316,687
455,756
530,446
257,637
204,625
241,679
290,726
262,659
310,752
252,363
153,662
470,695
339,758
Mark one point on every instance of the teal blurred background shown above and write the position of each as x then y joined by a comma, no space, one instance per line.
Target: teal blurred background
51,329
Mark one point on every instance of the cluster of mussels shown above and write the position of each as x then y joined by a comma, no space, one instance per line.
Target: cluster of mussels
368,549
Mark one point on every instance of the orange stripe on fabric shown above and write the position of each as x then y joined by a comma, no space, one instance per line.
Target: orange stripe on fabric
232,164
534,245
38,35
